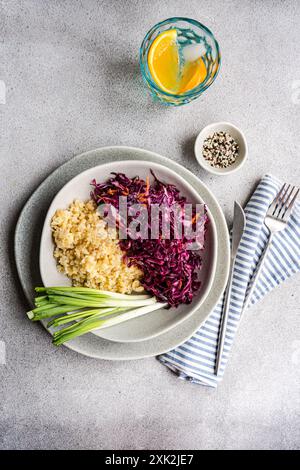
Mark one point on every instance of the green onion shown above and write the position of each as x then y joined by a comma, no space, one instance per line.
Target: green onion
51,312
96,322
62,300
90,291
87,309
41,300
42,308
78,315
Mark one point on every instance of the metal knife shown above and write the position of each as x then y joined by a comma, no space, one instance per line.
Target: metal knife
239,222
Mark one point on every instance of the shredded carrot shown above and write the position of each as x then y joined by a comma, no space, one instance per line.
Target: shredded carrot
111,191
196,217
147,186
142,197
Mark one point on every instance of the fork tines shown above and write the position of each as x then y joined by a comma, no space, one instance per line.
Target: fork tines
284,201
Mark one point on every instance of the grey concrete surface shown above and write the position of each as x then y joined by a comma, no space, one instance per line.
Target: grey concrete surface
73,84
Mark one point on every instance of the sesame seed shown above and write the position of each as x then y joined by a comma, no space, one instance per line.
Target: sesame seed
220,149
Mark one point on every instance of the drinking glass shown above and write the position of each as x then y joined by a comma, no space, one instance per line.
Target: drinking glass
189,31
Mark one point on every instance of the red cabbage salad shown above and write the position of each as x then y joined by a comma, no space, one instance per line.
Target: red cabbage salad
170,268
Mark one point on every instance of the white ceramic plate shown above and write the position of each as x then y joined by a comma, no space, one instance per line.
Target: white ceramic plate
157,322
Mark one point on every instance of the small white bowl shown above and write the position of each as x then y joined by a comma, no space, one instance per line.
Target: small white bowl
238,136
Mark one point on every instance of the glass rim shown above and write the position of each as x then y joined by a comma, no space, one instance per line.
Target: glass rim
146,73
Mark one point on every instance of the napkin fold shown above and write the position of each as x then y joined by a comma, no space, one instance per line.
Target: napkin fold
195,359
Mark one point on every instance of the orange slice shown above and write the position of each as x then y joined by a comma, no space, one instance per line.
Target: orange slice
193,74
164,62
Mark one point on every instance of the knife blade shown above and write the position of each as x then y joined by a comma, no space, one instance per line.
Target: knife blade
239,222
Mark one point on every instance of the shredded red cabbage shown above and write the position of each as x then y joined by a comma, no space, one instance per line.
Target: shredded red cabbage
170,269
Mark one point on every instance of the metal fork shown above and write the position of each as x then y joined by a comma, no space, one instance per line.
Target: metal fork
276,220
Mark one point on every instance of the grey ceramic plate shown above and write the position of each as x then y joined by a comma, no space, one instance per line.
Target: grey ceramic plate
27,239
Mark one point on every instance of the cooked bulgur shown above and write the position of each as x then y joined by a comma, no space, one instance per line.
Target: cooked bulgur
86,253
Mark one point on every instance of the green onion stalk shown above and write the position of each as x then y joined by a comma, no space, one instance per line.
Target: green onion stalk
87,309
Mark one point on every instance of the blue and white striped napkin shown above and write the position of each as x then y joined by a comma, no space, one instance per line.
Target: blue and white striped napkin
194,360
